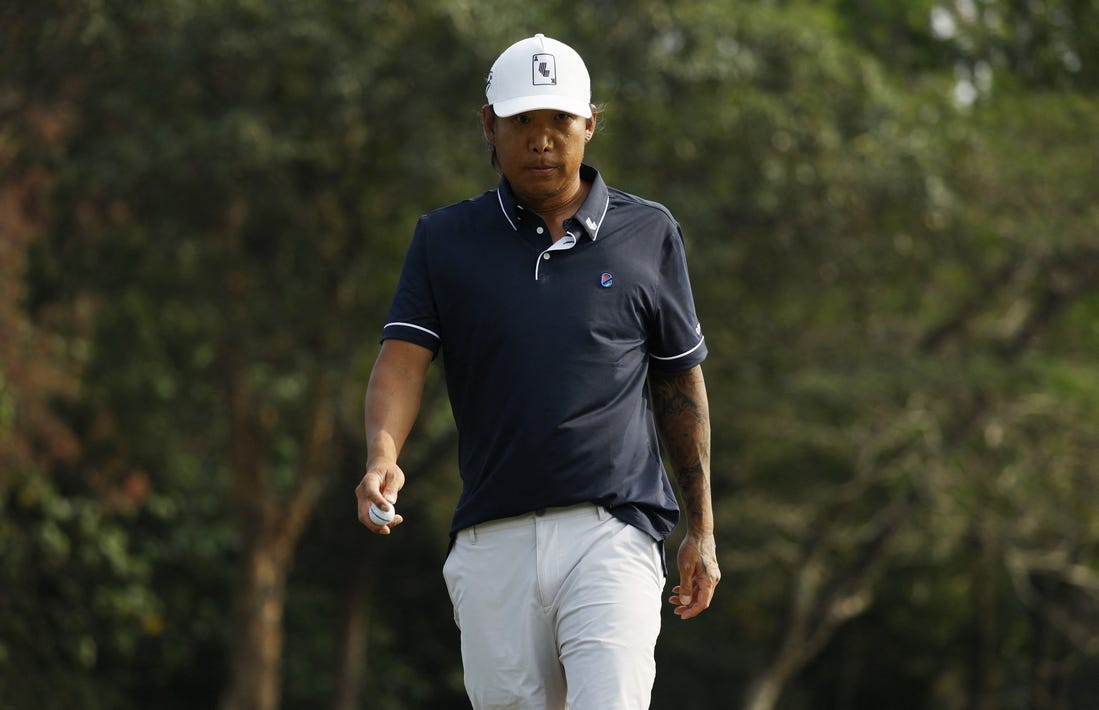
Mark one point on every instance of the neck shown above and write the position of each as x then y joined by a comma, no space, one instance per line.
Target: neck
554,210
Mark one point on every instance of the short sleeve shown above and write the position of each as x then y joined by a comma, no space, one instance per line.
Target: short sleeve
413,315
676,342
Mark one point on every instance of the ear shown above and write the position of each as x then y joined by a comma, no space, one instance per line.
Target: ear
488,123
589,129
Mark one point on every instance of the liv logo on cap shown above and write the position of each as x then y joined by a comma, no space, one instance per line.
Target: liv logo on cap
545,72
539,73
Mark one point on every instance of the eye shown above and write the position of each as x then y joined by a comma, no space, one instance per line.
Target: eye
563,116
521,118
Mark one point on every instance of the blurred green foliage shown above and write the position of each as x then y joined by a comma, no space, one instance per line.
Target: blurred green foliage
890,219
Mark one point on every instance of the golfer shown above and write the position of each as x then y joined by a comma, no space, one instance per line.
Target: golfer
564,316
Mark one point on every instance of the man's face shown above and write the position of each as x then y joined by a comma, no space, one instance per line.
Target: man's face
540,152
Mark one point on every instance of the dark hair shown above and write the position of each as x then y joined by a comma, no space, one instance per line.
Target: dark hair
492,146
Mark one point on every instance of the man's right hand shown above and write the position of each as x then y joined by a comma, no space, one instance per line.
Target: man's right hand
380,485
391,405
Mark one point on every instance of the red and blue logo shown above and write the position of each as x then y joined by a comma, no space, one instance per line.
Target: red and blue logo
606,279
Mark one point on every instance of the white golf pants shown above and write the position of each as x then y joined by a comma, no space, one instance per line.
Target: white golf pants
557,609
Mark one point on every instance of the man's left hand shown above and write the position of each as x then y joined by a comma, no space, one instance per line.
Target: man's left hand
698,575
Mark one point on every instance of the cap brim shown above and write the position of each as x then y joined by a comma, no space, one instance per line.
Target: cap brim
523,104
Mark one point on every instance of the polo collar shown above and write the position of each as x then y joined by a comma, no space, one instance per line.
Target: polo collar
590,215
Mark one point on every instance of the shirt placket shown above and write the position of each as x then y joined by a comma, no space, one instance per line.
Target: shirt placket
566,242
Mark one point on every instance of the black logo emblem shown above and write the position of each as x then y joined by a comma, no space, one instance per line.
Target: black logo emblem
545,70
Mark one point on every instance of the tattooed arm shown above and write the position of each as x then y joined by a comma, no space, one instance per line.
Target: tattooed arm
682,415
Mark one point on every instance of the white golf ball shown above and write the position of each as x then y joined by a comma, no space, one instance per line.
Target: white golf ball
381,517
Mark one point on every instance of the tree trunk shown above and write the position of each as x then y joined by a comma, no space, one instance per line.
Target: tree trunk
822,599
767,688
271,526
353,648
256,661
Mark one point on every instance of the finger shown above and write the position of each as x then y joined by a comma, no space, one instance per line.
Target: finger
364,512
367,497
380,529
692,606
388,527
380,488
687,587
697,606
370,484
389,493
390,480
692,609
680,600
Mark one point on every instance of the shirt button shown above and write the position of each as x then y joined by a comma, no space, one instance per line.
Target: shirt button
539,230
545,256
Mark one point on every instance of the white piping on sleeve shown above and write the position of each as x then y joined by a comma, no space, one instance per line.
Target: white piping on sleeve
413,325
676,357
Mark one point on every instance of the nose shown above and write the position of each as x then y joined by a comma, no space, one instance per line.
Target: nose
540,141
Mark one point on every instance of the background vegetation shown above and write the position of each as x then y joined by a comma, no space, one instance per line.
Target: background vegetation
892,226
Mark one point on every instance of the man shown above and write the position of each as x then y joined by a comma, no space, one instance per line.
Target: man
554,300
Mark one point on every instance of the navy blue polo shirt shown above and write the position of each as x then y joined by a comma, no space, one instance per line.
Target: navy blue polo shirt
547,346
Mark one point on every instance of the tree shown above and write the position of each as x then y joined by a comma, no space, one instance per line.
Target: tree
203,210
209,170
75,589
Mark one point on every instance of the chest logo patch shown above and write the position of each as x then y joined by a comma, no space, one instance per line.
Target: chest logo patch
606,279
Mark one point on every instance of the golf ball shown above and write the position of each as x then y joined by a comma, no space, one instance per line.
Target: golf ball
381,517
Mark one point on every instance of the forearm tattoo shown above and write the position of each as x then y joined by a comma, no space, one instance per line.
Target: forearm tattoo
682,416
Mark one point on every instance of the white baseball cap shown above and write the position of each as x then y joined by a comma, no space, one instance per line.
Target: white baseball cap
539,73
